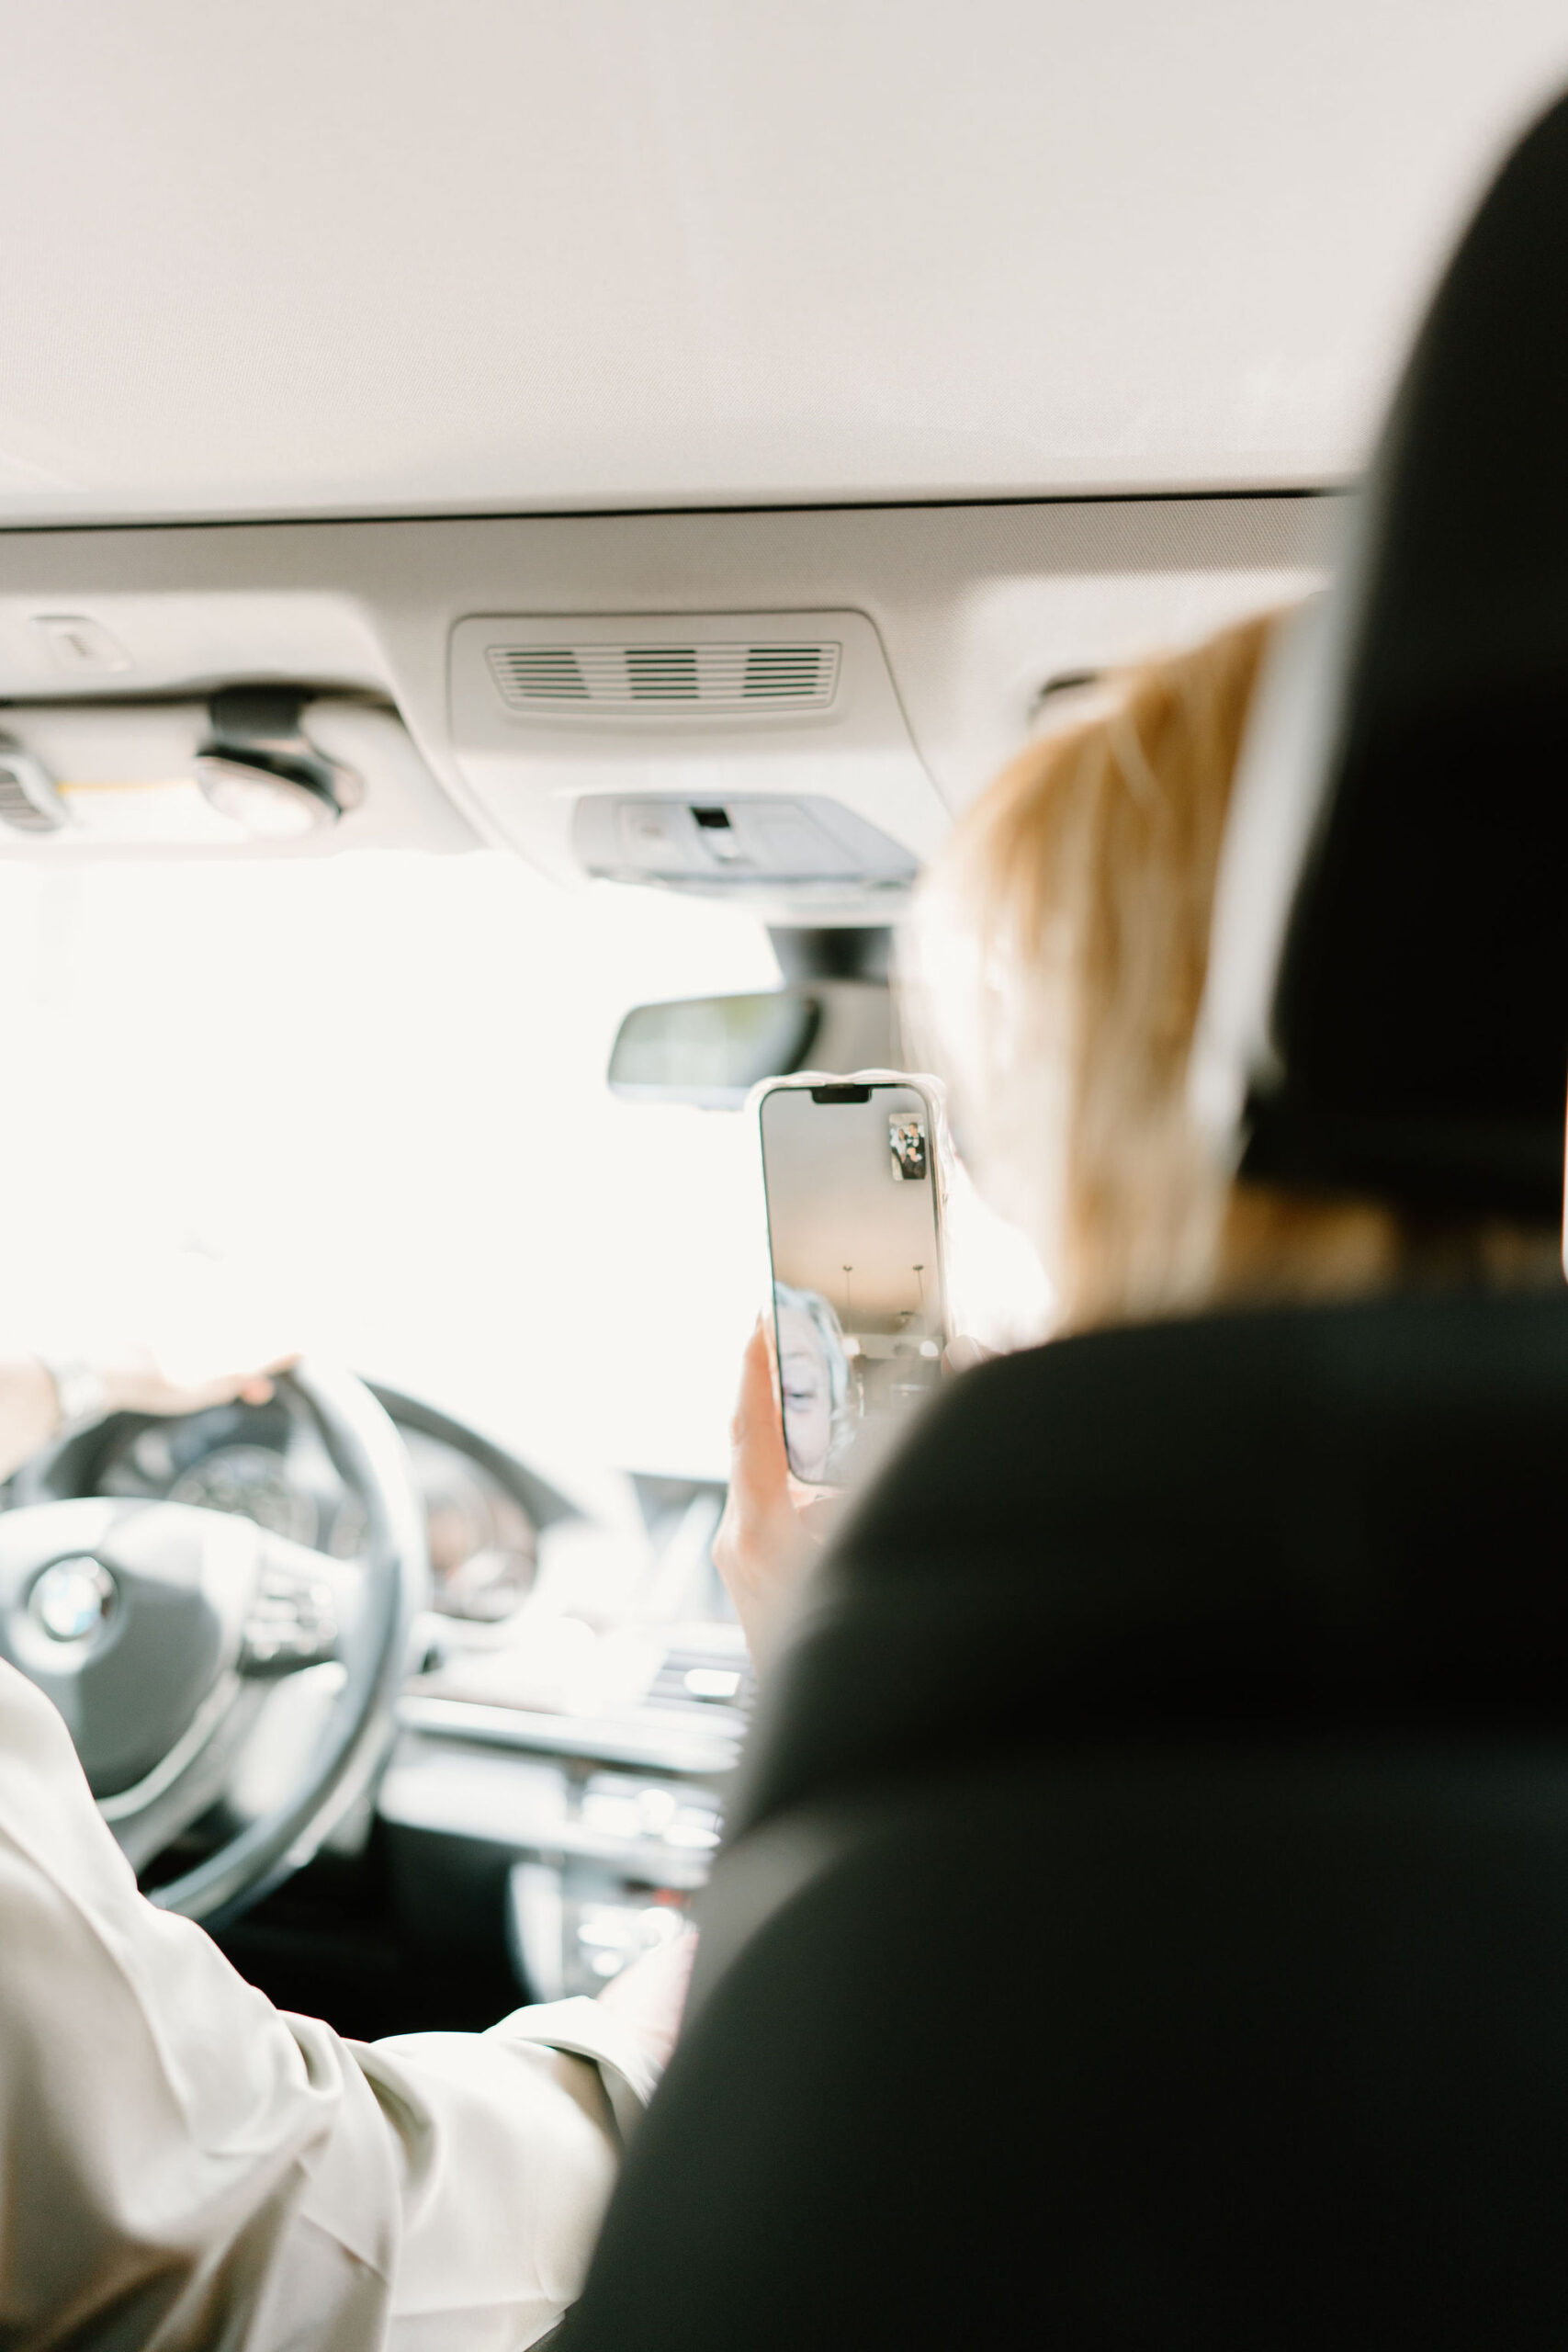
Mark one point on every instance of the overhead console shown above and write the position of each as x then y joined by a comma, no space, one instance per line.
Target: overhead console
762,758
779,709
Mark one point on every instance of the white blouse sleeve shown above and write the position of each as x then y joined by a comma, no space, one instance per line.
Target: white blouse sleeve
184,2166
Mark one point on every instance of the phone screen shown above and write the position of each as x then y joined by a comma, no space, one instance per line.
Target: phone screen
860,1312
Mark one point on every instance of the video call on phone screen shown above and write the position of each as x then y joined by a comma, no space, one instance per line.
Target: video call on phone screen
860,1318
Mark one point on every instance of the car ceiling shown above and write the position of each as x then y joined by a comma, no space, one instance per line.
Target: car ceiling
385,257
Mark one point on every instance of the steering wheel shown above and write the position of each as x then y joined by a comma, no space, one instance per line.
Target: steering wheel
158,1629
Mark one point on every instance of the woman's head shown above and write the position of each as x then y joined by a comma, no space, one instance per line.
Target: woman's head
1061,954
1059,963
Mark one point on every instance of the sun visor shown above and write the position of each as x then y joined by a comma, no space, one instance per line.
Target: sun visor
164,779
762,758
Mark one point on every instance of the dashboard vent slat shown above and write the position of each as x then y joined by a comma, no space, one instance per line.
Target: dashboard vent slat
642,680
697,1678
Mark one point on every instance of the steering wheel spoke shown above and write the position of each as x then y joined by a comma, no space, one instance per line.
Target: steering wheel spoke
294,1617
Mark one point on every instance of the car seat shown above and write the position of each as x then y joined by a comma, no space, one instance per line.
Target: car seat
1143,1919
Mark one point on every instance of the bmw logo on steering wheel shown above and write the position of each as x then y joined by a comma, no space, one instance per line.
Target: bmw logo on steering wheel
71,1599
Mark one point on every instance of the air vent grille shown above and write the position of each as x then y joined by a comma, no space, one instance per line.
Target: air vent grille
699,1678
687,679
538,673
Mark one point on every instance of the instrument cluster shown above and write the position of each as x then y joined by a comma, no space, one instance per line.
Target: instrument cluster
266,1464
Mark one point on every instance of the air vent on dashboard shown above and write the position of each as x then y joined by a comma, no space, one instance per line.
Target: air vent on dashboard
705,1678
689,679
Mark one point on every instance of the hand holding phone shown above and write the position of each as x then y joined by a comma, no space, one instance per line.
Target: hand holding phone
851,1173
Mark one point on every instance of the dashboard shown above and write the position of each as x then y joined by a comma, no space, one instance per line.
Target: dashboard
576,1697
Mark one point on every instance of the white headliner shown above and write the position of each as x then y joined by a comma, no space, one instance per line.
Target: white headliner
401,255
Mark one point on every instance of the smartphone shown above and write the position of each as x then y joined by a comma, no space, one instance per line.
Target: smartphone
853,1177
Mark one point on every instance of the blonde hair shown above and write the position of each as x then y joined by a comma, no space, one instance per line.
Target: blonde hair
1059,963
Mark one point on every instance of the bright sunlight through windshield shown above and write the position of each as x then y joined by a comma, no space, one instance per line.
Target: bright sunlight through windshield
381,1079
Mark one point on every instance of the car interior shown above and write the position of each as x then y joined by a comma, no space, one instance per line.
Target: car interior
519,540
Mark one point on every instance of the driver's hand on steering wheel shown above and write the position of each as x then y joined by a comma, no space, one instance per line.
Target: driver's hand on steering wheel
143,1382
199,1335
197,1339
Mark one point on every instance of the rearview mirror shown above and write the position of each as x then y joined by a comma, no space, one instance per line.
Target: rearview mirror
711,1050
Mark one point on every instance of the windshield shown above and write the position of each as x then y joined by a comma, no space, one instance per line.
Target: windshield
379,1078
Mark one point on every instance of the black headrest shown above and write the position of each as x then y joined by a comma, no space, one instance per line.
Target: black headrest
1388,1002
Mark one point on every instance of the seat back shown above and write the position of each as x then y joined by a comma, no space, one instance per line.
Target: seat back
1128,2051
1146,1920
